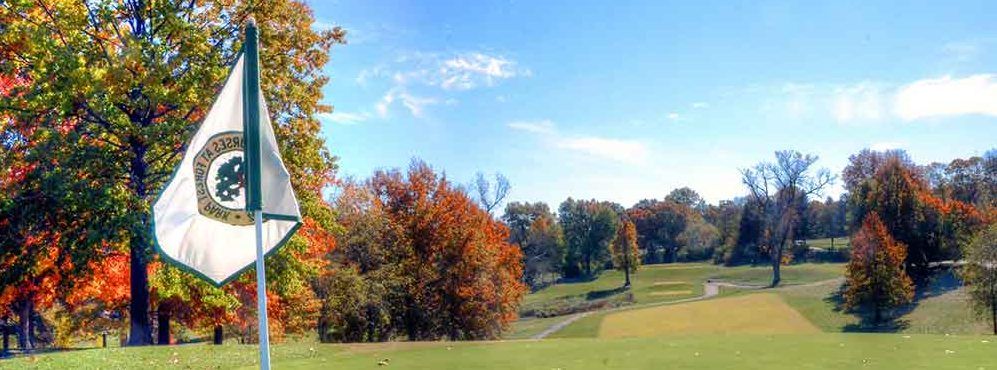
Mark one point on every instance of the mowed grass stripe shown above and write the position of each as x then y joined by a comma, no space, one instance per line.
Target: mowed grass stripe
762,313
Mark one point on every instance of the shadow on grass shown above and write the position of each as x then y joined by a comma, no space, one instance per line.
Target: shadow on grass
892,320
600,294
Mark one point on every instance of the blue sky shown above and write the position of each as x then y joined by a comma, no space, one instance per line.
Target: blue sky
622,101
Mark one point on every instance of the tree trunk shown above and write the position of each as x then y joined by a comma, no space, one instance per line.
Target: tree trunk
24,341
103,339
993,318
219,337
140,330
163,336
6,341
776,265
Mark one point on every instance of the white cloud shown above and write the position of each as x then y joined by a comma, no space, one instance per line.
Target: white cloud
627,151
344,117
672,116
947,96
536,127
630,151
469,70
886,145
458,71
700,105
436,74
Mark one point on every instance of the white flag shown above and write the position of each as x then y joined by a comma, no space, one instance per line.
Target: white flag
201,222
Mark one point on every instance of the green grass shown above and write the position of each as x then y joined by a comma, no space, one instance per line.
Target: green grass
791,275
826,243
943,309
782,351
671,282
689,277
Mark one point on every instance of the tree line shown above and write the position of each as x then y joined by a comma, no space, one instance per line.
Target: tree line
934,210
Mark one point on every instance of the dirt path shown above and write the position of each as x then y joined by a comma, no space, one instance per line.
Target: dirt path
710,289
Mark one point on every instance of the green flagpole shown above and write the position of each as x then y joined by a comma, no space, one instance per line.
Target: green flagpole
254,196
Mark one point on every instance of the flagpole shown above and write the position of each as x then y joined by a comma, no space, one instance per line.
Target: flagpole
254,198
261,293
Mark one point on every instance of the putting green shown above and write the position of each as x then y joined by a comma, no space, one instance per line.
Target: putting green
763,313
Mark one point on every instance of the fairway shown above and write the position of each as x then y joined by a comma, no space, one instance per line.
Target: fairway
764,313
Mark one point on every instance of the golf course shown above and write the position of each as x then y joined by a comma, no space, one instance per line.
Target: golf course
796,326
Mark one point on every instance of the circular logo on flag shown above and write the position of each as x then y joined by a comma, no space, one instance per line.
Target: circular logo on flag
220,180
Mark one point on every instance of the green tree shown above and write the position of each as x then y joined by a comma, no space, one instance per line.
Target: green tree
128,81
876,275
589,227
687,197
980,274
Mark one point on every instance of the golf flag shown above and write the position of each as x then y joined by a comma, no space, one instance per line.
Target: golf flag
202,219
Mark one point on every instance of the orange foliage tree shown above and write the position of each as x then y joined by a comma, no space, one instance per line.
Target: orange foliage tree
932,228
625,255
876,275
420,247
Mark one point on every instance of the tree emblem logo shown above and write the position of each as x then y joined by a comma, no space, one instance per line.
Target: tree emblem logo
231,180
220,180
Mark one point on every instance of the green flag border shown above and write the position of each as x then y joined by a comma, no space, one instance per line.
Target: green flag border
266,216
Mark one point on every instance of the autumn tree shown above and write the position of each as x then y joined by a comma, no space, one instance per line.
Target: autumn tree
589,227
133,78
932,228
419,258
659,224
876,275
626,257
777,189
534,228
980,274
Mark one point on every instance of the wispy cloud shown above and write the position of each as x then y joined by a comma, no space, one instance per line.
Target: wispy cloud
416,105
700,105
418,80
886,145
630,151
962,51
467,71
877,102
454,71
344,118
536,127
859,102
673,116
947,96
619,150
